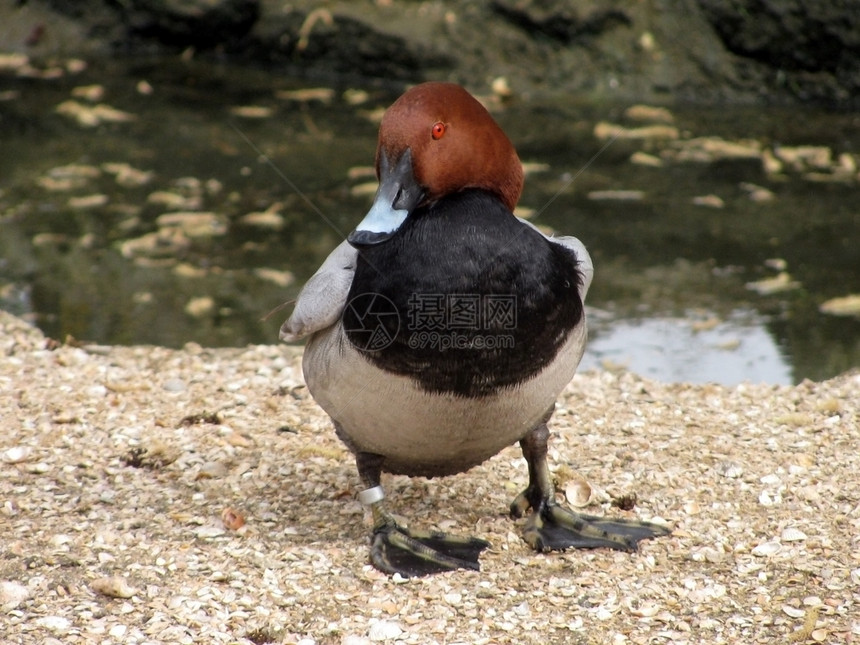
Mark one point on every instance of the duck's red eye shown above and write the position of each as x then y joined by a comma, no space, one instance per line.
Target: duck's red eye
438,130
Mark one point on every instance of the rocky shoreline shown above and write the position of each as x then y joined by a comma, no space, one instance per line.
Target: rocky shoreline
199,495
743,51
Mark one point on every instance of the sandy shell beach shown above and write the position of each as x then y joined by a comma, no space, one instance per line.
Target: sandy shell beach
150,495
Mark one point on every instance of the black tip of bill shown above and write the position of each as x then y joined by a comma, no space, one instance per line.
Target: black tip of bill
367,238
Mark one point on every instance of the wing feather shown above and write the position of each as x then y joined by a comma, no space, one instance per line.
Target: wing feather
322,299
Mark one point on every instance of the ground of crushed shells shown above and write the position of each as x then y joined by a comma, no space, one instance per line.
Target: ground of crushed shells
126,474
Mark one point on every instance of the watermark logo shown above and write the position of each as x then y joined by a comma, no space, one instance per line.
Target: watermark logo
441,321
371,321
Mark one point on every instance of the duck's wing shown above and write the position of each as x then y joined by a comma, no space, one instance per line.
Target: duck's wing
322,299
585,266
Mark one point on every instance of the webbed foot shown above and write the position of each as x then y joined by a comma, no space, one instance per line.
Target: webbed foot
394,549
552,527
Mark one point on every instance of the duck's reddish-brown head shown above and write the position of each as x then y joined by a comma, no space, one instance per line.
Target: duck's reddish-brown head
435,140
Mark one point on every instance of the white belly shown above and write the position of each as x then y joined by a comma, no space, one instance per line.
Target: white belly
423,433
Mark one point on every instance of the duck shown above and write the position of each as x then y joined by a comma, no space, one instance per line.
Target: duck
444,328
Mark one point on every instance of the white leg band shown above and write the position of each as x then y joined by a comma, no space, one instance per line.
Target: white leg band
371,495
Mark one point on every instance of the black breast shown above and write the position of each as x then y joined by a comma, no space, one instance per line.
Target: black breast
464,298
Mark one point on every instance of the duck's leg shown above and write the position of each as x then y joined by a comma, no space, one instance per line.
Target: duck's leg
552,527
396,549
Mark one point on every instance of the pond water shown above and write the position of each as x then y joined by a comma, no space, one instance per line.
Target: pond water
715,238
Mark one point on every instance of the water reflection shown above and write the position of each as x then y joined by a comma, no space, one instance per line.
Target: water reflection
674,350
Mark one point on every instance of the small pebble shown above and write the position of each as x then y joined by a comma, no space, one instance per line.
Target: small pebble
194,224
205,532
118,631
16,454
617,195
794,612
605,130
232,519
279,278
778,284
649,113
644,609
200,306
354,639
578,491
792,534
252,111
12,594
355,96
96,391
76,65
13,61
842,306
86,202
710,201
767,548
92,93
321,94
212,470
54,623
113,586
384,630
729,469
501,87
265,220
175,385
644,159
